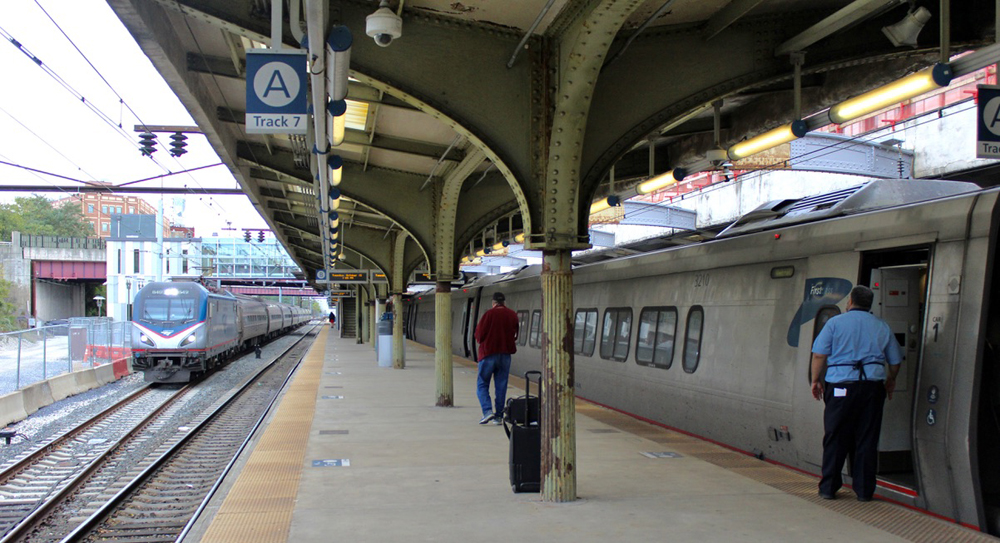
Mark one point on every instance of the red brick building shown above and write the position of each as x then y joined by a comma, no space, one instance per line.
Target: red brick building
98,207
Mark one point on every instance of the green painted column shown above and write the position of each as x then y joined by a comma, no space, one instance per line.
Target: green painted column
442,345
558,395
398,360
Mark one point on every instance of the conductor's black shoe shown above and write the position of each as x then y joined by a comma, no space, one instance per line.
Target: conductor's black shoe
864,499
826,496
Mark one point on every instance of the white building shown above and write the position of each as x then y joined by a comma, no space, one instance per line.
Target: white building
135,258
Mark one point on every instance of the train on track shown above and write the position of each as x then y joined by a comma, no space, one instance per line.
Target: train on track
713,338
182,330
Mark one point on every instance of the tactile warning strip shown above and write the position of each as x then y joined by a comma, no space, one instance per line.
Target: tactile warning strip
259,506
891,518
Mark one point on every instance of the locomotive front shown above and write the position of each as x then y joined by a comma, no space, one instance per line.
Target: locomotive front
169,332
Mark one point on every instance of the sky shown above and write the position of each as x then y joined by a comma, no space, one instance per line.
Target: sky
45,126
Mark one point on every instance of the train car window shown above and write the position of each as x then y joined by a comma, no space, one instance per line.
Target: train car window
692,338
522,327
590,336
654,344
585,332
536,327
616,333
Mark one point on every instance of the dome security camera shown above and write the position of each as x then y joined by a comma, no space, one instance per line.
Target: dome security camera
383,25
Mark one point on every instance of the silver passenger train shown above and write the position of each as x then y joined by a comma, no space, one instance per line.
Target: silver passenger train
180,331
714,338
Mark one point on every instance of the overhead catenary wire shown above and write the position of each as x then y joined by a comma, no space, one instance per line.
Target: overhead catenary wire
121,101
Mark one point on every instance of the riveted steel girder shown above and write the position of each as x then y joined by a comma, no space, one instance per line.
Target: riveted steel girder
583,47
483,101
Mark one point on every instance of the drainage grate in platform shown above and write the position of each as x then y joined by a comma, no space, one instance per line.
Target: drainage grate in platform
604,431
333,432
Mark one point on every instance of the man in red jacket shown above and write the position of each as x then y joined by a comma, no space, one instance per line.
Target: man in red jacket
496,335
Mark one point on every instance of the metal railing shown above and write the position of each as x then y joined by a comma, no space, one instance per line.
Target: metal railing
30,356
61,242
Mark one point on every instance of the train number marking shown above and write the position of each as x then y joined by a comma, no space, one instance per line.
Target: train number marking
936,325
701,280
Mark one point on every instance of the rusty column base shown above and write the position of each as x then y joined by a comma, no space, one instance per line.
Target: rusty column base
442,345
558,395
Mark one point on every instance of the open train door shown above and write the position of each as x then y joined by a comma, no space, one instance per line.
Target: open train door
899,300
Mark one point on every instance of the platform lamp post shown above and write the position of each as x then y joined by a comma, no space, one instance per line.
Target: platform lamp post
100,302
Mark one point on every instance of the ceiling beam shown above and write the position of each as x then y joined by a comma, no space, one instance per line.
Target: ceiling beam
728,15
853,13
363,139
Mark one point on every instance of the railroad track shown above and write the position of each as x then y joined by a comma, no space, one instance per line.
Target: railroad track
163,497
51,471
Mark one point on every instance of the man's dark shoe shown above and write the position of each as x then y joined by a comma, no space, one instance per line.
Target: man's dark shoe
826,496
864,499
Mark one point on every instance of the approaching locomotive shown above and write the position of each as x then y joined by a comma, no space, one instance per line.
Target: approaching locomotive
714,338
182,330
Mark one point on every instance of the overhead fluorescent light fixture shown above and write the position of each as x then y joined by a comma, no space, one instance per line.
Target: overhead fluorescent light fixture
661,181
936,76
768,140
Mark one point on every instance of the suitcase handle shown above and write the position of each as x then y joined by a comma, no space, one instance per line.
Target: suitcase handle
527,382
527,391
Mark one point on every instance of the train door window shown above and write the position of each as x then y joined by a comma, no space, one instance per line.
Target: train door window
654,345
692,338
585,332
536,328
522,327
824,314
616,334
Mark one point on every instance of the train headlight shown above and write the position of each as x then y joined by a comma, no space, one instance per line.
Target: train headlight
143,338
190,339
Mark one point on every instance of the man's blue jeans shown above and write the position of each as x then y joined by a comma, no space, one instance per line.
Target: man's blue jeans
497,367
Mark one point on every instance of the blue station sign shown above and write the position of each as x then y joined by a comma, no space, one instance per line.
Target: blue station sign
988,121
276,92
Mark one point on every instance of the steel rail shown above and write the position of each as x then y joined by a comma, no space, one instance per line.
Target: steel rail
90,523
22,528
239,452
58,441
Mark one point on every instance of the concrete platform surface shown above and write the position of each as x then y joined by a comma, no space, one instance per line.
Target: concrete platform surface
414,472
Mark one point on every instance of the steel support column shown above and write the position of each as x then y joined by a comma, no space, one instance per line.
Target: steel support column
442,344
358,318
397,285
558,396
373,332
398,360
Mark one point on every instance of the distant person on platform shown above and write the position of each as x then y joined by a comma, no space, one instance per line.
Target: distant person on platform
496,335
256,351
333,320
849,374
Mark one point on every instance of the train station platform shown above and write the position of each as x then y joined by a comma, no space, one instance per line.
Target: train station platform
357,452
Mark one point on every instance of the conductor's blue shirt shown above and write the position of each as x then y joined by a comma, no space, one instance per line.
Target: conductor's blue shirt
852,337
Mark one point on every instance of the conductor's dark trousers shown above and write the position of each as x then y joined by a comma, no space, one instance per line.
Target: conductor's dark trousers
852,422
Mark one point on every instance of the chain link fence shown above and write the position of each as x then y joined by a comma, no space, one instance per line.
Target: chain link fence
31,356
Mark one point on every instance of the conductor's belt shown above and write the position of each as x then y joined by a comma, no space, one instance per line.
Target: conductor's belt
859,366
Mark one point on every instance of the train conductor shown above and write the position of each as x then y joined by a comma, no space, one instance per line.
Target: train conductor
849,374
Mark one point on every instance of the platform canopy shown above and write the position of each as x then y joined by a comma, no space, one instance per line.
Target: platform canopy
458,125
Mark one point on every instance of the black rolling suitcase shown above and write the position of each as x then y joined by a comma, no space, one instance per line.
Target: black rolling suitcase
522,414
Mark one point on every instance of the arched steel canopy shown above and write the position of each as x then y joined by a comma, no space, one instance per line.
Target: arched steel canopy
462,124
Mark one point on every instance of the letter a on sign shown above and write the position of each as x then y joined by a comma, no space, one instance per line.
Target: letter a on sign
277,84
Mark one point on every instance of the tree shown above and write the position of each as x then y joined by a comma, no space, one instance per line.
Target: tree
8,319
35,215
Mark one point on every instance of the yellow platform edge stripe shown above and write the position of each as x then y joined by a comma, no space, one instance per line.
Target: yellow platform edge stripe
260,504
